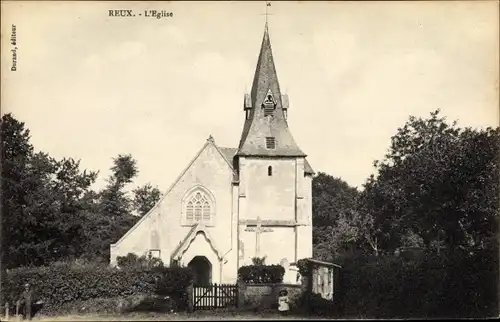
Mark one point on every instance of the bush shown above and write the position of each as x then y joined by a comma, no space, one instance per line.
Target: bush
456,285
60,285
93,306
131,261
261,274
173,283
117,305
259,260
315,304
303,266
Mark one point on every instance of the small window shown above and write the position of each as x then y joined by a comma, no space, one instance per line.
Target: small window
270,142
269,171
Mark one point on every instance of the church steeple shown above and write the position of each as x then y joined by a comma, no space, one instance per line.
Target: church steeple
265,132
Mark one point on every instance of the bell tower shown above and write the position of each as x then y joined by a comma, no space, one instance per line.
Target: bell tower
274,176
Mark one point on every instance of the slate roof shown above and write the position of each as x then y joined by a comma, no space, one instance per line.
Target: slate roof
229,154
257,126
307,167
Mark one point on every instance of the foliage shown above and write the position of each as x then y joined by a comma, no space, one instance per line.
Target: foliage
261,274
303,266
173,283
457,285
42,195
437,181
167,283
116,305
145,198
124,169
62,283
259,260
61,216
331,197
436,188
101,231
335,204
113,199
151,303
318,306
131,261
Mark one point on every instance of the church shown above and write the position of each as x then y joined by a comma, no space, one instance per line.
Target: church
231,205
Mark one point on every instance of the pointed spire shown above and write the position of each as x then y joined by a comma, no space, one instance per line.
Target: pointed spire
265,131
265,73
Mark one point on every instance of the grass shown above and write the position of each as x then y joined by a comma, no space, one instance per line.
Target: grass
197,315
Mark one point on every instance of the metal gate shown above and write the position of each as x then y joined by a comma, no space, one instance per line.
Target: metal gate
215,296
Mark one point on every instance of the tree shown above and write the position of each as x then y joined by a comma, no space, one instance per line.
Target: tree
145,198
111,217
331,197
114,200
73,185
101,231
437,181
61,217
334,203
41,195
124,169
16,152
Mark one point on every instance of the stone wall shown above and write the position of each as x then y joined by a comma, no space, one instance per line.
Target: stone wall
265,296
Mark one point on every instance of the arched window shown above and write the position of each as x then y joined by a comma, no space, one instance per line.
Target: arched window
269,171
198,208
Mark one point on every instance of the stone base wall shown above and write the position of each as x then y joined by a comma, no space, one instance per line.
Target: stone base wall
265,296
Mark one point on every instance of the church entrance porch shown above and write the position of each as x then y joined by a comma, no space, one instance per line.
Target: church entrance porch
202,269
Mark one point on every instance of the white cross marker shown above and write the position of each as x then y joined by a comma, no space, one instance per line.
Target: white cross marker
258,230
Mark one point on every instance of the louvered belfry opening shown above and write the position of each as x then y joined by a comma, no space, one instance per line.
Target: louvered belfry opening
270,142
268,111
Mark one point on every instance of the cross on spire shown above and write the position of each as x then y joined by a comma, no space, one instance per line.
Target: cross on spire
258,126
268,4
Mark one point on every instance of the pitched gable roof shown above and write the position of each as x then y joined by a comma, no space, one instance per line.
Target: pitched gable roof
191,235
210,140
228,153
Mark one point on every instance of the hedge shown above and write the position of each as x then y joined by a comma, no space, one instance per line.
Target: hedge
452,286
261,274
314,304
58,285
118,305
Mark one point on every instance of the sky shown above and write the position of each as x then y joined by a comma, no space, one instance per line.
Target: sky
90,86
